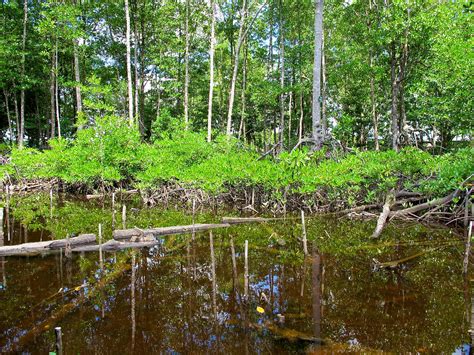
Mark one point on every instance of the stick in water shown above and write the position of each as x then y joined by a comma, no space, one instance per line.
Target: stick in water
51,203
303,225
468,249
246,269
124,217
101,260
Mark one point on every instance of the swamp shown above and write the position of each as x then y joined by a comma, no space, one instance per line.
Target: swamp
236,176
188,293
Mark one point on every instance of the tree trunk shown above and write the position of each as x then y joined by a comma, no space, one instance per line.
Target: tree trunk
129,69
211,71
282,78
244,87
324,122
316,109
395,92
52,93
372,102
56,87
7,106
22,93
135,67
186,69
17,115
236,68
77,78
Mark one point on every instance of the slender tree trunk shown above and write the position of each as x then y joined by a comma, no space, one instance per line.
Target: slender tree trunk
22,93
324,122
236,68
17,116
395,93
137,77
52,93
56,88
211,71
373,104
316,109
7,106
186,68
129,69
244,87
282,78
77,78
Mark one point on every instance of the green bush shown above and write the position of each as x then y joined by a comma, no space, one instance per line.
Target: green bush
111,151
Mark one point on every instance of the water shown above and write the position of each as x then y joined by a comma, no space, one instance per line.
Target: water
166,299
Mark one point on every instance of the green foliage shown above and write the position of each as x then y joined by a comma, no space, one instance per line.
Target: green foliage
111,152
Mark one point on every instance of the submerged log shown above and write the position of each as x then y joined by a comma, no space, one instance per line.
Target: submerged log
114,245
121,234
240,220
42,247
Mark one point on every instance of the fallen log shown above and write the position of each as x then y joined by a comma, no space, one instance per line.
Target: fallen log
79,240
389,201
114,245
121,234
241,220
396,263
41,247
424,206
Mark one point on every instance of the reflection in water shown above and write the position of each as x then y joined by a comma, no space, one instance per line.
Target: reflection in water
316,283
185,297
132,297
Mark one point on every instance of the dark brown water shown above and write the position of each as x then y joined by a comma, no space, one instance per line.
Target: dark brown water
175,299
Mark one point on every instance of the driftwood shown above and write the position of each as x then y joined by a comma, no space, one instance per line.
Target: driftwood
121,234
384,215
41,247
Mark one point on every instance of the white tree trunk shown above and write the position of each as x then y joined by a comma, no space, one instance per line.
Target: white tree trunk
129,69
77,78
186,69
211,71
316,109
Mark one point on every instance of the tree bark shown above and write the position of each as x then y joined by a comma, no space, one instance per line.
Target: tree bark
211,71
135,67
395,93
186,68
316,109
129,69
282,78
56,87
7,106
22,93
77,78
244,87
52,93
236,68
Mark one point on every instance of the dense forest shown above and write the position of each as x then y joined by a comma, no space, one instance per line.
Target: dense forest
288,97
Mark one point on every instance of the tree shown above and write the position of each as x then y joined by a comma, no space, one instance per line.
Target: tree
129,69
211,70
316,105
